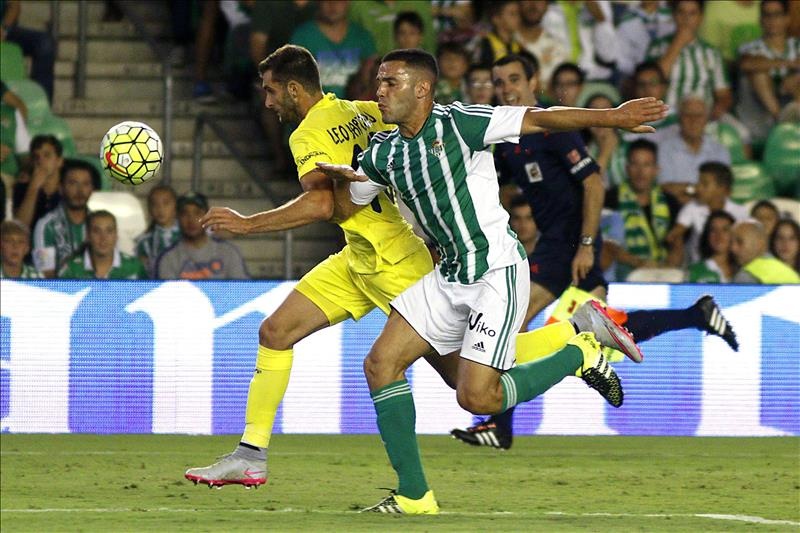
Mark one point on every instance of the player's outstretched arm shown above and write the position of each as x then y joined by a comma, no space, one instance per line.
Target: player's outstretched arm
340,172
631,116
313,205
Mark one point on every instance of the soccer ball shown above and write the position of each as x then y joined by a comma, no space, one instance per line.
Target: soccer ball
131,152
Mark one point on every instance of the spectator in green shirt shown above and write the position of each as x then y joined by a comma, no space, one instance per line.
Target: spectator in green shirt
717,264
99,257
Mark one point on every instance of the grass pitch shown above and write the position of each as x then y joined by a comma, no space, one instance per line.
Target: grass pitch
317,482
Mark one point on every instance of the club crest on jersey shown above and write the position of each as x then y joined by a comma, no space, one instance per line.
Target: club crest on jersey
437,148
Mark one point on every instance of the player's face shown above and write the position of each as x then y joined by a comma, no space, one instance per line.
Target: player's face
162,208
396,91
276,98
47,158
688,15
532,11
480,87
13,249
648,83
77,188
774,21
512,87
521,221
102,236
407,36
719,235
189,221
787,244
642,170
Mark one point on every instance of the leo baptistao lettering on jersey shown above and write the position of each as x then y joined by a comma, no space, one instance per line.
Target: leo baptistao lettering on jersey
359,125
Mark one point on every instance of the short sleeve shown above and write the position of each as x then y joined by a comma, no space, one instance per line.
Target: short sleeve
685,216
306,151
573,154
481,125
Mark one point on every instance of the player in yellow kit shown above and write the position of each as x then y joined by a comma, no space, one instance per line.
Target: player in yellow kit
382,257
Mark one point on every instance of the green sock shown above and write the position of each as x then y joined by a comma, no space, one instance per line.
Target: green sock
396,422
525,382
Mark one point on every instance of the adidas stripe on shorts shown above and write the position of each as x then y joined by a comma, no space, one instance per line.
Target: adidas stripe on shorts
480,319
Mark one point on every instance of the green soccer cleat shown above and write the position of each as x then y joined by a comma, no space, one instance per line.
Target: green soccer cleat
396,504
595,370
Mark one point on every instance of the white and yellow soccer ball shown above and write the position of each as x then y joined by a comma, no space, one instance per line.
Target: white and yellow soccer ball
131,152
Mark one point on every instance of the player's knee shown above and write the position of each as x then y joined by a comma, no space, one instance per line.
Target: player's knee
477,402
271,335
380,370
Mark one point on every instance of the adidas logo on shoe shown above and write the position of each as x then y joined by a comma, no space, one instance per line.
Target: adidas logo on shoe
478,347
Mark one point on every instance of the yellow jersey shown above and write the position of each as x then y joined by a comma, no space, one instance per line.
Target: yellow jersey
337,131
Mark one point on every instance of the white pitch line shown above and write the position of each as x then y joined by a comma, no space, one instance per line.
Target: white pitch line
737,518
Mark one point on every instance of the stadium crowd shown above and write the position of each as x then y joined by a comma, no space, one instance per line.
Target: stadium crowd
711,197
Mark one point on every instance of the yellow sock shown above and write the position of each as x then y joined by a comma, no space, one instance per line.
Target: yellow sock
266,392
542,342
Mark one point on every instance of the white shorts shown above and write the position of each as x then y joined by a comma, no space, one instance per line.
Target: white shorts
481,319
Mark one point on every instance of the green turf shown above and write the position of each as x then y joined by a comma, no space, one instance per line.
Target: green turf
135,483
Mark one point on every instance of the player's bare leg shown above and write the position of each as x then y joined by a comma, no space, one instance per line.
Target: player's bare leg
295,319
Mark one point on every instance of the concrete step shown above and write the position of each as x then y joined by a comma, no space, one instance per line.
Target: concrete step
91,127
107,51
113,108
124,71
114,30
109,88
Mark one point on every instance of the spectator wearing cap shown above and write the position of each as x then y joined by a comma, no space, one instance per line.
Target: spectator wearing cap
749,247
15,243
62,231
99,257
197,256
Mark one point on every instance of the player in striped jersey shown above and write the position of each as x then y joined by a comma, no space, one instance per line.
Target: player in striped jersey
468,308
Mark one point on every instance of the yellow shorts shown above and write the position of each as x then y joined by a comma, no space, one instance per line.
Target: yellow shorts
342,293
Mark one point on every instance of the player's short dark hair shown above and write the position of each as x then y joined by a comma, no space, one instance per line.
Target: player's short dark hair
784,5
675,3
721,172
77,164
44,138
100,213
642,144
409,17
292,63
415,58
705,246
518,201
568,67
528,61
647,66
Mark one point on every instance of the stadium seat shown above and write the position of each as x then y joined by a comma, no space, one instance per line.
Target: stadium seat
729,138
751,182
94,160
12,62
782,157
127,208
591,88
34,97
55,125
656,275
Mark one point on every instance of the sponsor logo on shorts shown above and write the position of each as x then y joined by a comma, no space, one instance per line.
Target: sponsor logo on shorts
478,347
476,324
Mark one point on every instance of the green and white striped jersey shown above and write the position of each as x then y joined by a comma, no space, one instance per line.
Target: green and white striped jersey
760,48
698,70
445,174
